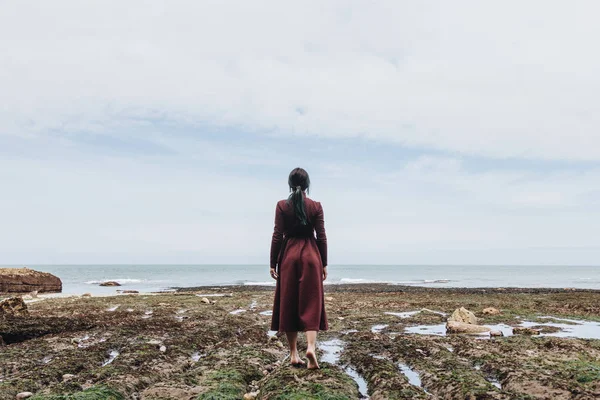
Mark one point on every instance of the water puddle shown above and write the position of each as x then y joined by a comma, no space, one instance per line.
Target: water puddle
197,356
268,313
180,318
408,314
437,330
46,359
149,312
236,312
332,350
378,328
360,381
450,349
111,357
494,382
253,305
181,311
129,310
272,333
413,377
214,295
113,308
349,331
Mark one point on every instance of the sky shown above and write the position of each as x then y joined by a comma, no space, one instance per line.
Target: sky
434,132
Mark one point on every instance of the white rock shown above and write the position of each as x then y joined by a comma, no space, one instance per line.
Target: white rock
463,315
163,349
86,295
68,377
24,395
205,300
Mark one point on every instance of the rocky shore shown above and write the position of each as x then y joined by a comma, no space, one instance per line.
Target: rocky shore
384,342
25,280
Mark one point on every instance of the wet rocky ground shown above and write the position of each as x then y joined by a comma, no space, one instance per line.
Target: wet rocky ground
384,342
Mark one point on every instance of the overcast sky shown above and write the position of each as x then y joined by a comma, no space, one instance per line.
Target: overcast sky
435,132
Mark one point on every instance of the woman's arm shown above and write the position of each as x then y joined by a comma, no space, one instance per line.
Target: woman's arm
321,236
277,236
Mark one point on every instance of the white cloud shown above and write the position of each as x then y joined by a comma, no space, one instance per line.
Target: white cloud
508,79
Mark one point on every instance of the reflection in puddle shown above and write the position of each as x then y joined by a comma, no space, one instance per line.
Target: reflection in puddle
378,328
235,312
349,331
149,312
253,304
494,382
574,328
111,357
268,312
214,295
272,333
196,356
113,308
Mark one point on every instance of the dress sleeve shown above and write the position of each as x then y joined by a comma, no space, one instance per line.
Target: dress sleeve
277,236
321,236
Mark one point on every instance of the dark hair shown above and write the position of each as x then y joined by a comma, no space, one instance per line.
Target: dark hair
298,182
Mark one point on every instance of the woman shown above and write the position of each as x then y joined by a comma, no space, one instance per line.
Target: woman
302,267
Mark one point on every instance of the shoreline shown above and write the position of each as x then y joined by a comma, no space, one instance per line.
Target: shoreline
177,345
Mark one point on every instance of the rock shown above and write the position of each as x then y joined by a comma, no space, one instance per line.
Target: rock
34,294
154,342
67,377
463,327
463,315
525,331
25,280
496,333
491,311
14,307
110,283
251,395
205,300
162,349
128,291
86,295
329,298
24,395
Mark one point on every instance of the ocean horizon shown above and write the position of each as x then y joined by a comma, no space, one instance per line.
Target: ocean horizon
82,278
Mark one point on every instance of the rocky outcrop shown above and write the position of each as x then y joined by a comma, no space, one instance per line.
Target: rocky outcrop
25,280
464,328
110,283
463,315
525,331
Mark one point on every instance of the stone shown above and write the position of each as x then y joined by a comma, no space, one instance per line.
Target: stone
491,311
13,307
86,295
205,300
25,280
465,328
329,298
110,283
128,291
24,395
525,331
496,333
163,349
251,395
67,377
463,315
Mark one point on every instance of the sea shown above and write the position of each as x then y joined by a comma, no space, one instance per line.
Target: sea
79,279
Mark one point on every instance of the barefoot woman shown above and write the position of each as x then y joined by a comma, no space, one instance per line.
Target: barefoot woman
302,267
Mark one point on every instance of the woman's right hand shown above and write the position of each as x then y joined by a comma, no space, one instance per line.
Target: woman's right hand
324,272
274,273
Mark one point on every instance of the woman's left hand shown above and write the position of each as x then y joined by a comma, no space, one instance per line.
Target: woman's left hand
274,274
324,273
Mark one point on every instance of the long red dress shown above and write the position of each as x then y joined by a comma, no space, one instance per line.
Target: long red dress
299,257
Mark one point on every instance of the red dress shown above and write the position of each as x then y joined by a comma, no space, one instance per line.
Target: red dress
299,257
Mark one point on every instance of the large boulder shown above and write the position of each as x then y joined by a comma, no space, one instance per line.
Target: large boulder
25,280
463,315
464,328
13,307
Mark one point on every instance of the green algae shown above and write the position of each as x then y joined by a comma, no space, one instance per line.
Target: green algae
95,393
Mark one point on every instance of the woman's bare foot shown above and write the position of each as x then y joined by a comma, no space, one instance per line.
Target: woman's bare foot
312,359
296,361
